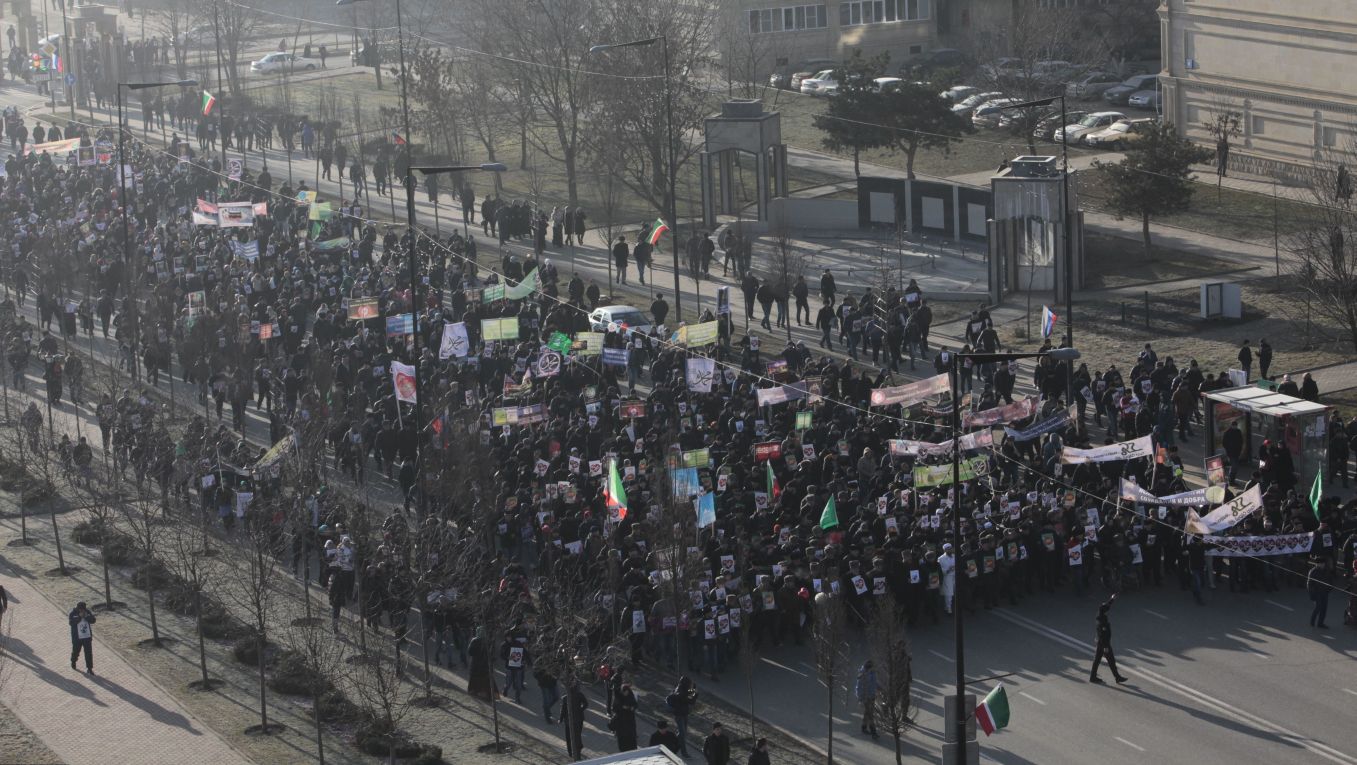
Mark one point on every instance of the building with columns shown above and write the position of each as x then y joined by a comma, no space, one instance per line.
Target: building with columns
1284,65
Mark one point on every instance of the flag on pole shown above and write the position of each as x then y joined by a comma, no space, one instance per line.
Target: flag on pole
397,138
830,517
209,101
1048,318
992,713
403,378
1317,492
774,488
658,231
614,493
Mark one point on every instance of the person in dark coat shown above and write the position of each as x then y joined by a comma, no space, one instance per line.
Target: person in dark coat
1104,630
620,255
760,754
82,637
665,737
623,720
479,683
572,718
716,748
1319,583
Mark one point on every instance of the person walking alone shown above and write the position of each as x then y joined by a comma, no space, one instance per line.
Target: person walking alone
865,689
1104,629
1319,583
82,636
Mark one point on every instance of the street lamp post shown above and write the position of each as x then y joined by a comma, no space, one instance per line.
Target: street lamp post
1064,354
672,212
123,198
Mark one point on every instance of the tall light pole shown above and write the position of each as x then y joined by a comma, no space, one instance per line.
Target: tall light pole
125,201
962,714
672,212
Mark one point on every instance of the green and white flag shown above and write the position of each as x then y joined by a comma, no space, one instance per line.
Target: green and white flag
830,517
1317,491
992,713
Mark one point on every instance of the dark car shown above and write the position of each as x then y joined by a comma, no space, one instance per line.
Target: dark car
1120,94
934,60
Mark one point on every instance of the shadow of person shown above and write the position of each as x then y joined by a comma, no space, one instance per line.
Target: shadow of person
157,712
25,657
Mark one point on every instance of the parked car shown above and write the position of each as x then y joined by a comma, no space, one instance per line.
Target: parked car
1075,131
1144,99
820,84
959,93
807,69
1120,134
1003,67
1091,85
934,60
278,62
1053,71
618,316
987,114
884,84
973,101
1121,94
1046,128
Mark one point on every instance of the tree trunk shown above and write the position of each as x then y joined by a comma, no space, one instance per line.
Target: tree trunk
202,644
263,702
320,736
899,757
857,165
909,162
103,555
571,181
150,598
1145,232
829,750
56,535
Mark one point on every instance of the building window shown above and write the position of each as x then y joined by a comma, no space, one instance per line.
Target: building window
788,19
1330,138
858,12
1257,127
916,50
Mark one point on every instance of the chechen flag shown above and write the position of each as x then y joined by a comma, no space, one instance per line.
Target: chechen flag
992,713
1048,318
657,232
397,138
774,488
209,101
403,378
614,493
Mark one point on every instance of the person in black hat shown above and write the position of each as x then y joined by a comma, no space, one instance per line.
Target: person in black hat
1105,645
82,637
1319,583
663,736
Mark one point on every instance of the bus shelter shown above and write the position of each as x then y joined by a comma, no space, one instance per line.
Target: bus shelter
1267,416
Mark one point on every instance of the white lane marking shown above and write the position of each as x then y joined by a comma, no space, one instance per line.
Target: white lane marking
1321,749
1030,697
1282,606
944,657
1128,743
1349,690
767,660
1155,613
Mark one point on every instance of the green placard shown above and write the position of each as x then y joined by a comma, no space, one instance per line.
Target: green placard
803,420
559,342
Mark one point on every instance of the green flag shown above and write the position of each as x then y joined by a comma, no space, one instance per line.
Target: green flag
614,493
830,517
559,342
992,713
774,488
1317,491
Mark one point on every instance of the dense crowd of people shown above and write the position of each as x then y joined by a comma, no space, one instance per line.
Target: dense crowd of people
729,511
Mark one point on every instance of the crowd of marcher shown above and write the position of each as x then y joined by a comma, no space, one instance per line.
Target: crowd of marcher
817,490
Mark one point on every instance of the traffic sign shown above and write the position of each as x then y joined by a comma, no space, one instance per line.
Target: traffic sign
70,79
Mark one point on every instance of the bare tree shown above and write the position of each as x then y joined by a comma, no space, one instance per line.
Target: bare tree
185,559
1224,126
322,657
252,585
378,681
176,22
888,643
236,24
143,519
828,637
1325,262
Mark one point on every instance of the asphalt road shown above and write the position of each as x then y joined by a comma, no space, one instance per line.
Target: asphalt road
1242,679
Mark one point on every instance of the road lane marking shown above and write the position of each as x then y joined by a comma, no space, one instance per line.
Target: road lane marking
944,657
1282,606
767,660
1224,708
1155,613
1030,697
1136,747
1349,690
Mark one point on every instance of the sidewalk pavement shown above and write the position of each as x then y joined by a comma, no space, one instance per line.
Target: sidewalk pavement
115,716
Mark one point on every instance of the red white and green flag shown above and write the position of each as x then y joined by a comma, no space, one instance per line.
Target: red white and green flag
658,231
774,488
209,101
614,493
992,713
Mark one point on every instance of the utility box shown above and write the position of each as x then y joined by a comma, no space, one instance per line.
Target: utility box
1221,301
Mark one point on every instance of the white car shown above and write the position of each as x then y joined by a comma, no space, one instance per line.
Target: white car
973,102
1075,132
885,84
1144,99
987,115
278,62
819,85
619,317
958,93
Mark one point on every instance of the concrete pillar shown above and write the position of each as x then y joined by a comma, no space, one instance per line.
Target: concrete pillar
727,161
780,168
708,197
956,213
761,171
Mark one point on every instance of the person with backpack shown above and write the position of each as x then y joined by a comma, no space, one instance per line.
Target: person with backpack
82,637
681,702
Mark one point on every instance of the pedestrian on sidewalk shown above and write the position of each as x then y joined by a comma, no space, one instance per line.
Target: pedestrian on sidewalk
1319,583
865,689
716,748
82,636
1246,359
1104,634
1264,358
